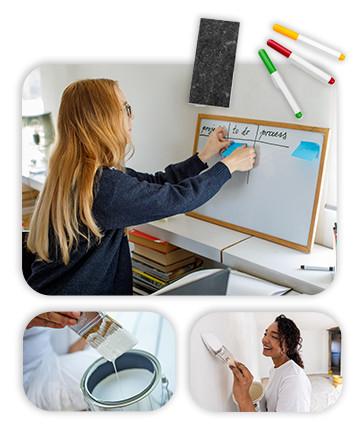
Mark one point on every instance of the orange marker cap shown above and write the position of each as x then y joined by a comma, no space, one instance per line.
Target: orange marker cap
285,31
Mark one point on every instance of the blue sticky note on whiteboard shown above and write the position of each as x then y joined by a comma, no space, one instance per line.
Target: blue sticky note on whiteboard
307,150
232,146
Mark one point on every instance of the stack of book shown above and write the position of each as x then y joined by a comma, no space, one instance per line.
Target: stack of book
29,197
157,263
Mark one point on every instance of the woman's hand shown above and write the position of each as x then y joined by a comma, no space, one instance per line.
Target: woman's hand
216,142
55,319
241,159
242,381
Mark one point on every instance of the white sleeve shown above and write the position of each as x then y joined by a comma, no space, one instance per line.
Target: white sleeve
294,395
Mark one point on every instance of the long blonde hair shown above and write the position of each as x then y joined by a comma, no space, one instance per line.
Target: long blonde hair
91,133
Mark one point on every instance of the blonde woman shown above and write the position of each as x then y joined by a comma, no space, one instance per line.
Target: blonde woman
90,197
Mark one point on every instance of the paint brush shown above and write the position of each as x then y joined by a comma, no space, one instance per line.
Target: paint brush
104,334
217,349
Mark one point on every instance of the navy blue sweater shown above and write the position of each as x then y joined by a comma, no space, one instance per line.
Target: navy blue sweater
124,199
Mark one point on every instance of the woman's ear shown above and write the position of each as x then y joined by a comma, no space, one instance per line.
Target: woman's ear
284,348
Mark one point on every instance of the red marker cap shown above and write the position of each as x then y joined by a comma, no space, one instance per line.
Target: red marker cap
278,47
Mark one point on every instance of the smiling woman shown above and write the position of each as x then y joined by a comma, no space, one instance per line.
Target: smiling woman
267,372
289,389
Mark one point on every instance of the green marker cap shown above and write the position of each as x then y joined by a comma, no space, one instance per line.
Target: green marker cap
267,61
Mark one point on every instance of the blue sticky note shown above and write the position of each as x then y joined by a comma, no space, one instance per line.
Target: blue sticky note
307,150
233,146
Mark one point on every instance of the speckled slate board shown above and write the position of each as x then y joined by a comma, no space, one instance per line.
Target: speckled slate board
214,63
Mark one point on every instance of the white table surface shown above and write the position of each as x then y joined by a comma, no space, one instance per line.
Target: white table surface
281,265
198,236
263,259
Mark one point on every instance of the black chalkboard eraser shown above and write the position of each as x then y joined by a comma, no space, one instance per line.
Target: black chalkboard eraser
214,63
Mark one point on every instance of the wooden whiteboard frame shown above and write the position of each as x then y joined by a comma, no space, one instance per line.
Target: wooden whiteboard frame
311,234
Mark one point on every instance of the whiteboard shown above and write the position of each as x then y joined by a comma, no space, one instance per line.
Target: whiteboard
278,199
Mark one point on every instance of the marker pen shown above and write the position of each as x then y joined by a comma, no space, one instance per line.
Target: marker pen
301,63
232,146
278,82
297,36
317,268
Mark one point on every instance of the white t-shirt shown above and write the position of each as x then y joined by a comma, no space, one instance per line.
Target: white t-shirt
288,389
36,348
51,381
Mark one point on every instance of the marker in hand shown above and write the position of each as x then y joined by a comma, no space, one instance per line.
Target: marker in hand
279,83
232,146
238,157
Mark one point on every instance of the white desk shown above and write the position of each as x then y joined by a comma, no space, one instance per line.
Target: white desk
281,265
200,237
248,254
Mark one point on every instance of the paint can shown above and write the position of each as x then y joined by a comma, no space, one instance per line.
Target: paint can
256,391
142,387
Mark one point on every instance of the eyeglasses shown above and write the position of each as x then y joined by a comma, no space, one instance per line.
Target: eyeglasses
128,109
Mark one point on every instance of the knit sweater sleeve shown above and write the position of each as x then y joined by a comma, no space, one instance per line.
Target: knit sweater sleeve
173,173
123,200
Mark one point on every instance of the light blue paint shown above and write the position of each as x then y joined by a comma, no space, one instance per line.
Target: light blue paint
307,150
233,146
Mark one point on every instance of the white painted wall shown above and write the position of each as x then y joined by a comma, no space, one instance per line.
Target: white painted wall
315,351
163,130
54,79
210,380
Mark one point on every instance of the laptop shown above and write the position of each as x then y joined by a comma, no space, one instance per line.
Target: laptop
208,282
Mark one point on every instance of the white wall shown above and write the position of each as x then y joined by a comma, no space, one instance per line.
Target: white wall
164,125
315,351
210,380
54,79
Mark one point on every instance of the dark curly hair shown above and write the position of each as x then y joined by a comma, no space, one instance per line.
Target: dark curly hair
290,338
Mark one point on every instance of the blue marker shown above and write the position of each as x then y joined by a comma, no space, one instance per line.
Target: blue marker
233,146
